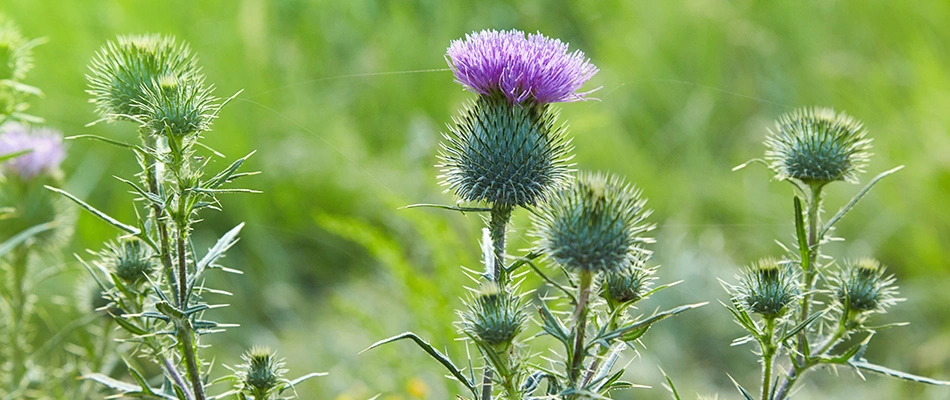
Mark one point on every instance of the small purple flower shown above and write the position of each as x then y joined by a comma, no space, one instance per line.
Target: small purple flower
519,67
46,155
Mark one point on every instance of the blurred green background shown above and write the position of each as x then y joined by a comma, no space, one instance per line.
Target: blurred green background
344,102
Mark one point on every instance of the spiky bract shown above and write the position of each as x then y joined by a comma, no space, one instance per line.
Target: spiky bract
177,105
122,71
768,287
16,52
594,224
129,259
494,317
817,146
628,284
504,154
521,68
862,286
261,373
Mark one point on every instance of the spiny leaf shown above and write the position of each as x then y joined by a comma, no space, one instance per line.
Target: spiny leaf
103,216
862,364
804,324
844,210
438,356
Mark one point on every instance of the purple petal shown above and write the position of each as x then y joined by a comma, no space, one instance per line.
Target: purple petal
46,145
520,67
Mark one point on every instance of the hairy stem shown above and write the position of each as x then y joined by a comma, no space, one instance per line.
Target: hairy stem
498,226
176,378
768,352
182,269
186,339
580,326
156,212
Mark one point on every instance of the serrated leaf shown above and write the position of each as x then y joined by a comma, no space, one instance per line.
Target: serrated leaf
847,207
438,356
620,332
225,175
103,216
864,365
215,252
804,324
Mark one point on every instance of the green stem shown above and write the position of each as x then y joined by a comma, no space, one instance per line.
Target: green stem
810,268
602,353
17,313
768,352
498,226
580,326
186,339
486,384
156,212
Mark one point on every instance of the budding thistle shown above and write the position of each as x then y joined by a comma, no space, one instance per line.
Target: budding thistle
494,317
123,71
594,224
627,285
818,146
862,286
767,288
129,259
262,373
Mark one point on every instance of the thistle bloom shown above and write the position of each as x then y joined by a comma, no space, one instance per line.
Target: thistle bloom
818,146
45,148
595,224
767,288
519,67
862,286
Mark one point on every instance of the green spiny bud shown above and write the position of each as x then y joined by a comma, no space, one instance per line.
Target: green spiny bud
629,284
177,106
862,286
130,259
261,372
16,52
768,288
504,153
122,71
494,317
593,224
817,146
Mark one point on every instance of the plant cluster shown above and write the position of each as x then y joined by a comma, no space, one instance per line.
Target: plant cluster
505,152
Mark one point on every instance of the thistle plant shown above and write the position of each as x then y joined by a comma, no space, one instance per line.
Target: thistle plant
152,276
507,151
16,60
806,310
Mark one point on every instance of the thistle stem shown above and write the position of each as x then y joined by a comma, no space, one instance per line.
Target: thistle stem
176,378
580,326
186,337
487,384
156,212
768,352
498,226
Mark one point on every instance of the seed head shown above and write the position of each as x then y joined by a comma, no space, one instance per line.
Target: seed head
768,288
818,146
130,260
535,67
122,71
45,148
862,286
595,224
504,154
494,317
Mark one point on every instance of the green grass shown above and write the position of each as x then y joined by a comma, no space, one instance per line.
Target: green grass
345,102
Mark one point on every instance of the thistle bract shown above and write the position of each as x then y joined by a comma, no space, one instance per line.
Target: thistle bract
862,286
519,67
767,288
122,71
494,316
628,284
593,224
129,259
44,149
504,154
261,372
817,146
177,106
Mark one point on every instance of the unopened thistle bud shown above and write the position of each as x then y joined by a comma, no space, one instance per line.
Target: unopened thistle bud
122,70
506,148
818,146
593,224
862,286
16,52
768,288
494,317
261,373
629,284
177,106
130,259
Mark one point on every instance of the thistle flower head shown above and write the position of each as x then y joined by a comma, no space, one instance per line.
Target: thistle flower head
129,259
522,68
122,71
818,146
16,52
594,224
45,148
494,317
261,373
767,287
862,286
504,154
177,106
628,284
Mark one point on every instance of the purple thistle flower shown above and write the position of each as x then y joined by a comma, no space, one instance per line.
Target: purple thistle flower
46,155
519,67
